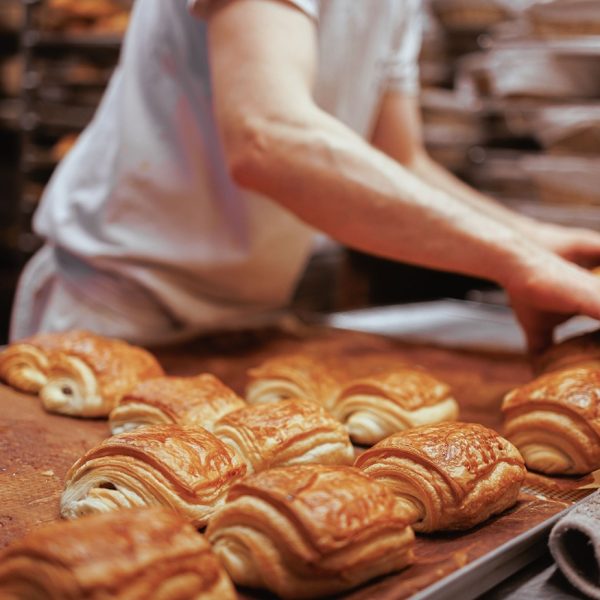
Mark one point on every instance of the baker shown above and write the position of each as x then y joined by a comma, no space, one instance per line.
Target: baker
227,139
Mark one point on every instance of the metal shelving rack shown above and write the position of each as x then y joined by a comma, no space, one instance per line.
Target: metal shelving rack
49,110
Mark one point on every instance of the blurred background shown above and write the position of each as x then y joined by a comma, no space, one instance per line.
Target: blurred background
510,101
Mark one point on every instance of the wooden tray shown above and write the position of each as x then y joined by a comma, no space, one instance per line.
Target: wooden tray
37,448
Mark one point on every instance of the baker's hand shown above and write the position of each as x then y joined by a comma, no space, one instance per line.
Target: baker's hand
579,245
549,291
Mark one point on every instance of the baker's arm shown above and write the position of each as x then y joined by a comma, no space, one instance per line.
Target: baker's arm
398,133
279,143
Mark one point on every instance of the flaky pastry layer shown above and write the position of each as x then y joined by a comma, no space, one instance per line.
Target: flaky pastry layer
555,421
195,401
310,530
449,476
285,433
186,469
132,554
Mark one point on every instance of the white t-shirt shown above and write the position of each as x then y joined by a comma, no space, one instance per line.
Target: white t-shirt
145,193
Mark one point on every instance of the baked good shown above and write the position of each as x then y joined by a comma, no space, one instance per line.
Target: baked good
187,469
24,364
378,405
306,376
554,420
285,433
449,476
87,373
579,350
309,530
199,400
132,554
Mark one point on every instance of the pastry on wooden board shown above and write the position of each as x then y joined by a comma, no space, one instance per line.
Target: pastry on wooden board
379,405
88,376
24,363
305,376
554,420
185,468
310,530
129,555
285,433
77,372
196,401
449,476
374,396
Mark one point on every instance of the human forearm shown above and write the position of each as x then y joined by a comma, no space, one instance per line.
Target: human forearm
332,179
434,174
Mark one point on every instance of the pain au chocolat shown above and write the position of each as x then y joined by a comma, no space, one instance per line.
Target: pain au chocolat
129,555
554,420
448,476
381,404
187,469
306,376
24,364
310,530
374,396
285,433
580,350
76,373
196,401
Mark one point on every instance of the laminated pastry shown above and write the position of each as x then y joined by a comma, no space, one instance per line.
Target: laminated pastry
580,350
376,406
88,374
285,433
197,401
187,469
24,364
310,530
554,420
132,554
448,476
306,376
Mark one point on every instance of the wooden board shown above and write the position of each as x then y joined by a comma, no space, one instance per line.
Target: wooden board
36,448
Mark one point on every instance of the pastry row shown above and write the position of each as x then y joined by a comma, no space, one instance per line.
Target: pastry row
83,374
300,531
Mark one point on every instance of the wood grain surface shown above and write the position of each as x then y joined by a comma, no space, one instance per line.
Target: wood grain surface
36,448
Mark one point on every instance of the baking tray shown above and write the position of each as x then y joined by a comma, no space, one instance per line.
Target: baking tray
462,565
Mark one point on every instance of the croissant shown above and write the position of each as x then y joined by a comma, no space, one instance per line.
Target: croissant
128,555
554,420
449,476
285,433
24,364
198,401
88,374
303,376
187,469
310,530
376,406
577,351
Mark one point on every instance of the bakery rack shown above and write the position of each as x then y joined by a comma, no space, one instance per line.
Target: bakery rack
65,71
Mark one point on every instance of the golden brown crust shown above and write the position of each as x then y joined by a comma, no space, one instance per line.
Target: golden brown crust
186,468
580,350
24,364
408,387
454,473
199,400
554,420
131,554
87,373
310,530
373,394
287,432
575,390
